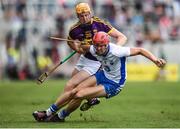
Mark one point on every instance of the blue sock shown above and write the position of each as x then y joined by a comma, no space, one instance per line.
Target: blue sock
63,114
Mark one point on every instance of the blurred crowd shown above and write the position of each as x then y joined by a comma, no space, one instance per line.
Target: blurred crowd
25,26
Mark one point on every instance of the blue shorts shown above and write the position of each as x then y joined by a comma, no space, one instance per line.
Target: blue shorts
111,88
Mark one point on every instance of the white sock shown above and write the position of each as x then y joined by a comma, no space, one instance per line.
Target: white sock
49,112
59,115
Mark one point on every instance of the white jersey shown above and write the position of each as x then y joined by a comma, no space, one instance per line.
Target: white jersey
114,62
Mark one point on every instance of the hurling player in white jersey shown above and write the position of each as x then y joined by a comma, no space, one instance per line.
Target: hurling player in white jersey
107,82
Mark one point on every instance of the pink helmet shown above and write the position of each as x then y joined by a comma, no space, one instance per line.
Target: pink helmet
101,38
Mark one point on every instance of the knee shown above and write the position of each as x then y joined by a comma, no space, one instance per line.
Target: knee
74,91
79,95
69,86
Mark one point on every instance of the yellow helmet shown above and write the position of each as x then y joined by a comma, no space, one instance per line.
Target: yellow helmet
82,8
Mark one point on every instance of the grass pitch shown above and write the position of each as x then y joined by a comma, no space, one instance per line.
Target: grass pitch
147,105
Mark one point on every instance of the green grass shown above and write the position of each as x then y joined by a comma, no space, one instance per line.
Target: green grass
148,105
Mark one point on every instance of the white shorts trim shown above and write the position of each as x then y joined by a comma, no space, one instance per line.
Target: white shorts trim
87,65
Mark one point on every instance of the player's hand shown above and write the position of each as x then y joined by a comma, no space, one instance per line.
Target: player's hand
85,46
160,63
77,45
81,47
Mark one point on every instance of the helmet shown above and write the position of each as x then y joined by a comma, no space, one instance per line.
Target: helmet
82,7
101,38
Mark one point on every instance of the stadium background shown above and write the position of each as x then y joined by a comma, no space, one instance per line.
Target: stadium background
26,51
151,96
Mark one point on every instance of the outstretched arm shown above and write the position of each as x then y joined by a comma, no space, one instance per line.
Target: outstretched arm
120,37
147,54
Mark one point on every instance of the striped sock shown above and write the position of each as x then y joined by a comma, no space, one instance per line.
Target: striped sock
63,114
51,110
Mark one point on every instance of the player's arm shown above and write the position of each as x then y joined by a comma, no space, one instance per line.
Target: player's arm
120,37
113,32
76,46
141,51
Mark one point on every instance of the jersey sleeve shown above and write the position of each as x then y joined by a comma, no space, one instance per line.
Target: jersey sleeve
103,25
108,27
121,51
71,35
73,32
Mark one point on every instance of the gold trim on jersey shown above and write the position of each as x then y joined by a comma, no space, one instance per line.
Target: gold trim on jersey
110,30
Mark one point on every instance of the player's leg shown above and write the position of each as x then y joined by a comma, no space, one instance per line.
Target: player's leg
106,88
92,101
84,69
90,67
87,93
74,103
43,116
72,106
76,79
71,84
91,92
89,82
63,99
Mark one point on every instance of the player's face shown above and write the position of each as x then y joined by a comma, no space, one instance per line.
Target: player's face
100,48
84,17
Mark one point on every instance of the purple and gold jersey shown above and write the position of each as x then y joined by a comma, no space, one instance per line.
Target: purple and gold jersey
85,32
